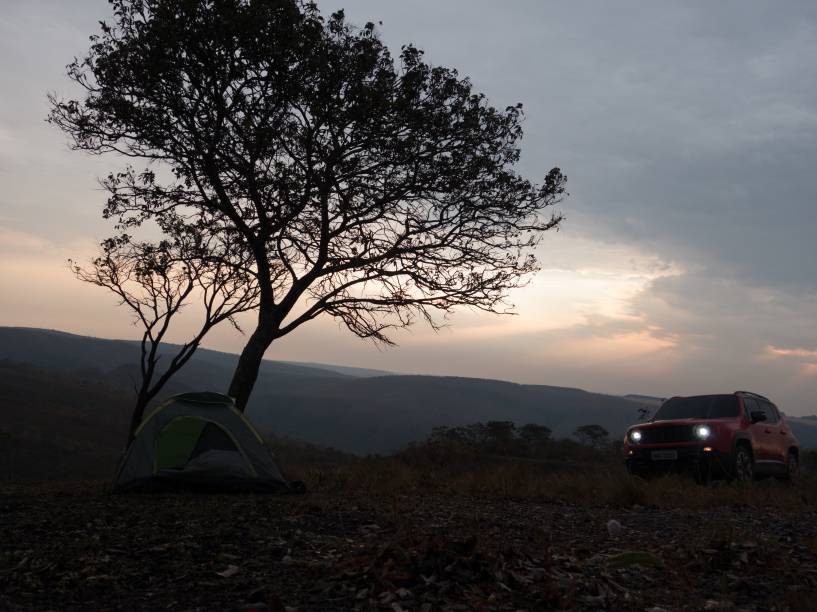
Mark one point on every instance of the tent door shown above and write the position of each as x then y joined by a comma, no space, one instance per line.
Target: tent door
185,438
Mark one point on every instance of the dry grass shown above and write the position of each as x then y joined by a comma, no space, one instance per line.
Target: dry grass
594,484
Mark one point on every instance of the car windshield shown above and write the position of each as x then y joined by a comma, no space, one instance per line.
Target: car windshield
698,407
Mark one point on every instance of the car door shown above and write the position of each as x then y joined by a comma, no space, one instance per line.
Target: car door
776,447
760,439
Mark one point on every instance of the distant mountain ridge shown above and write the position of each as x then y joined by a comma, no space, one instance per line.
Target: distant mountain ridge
647,400
55,349
363,413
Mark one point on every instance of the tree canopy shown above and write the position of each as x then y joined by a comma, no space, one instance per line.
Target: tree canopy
370,188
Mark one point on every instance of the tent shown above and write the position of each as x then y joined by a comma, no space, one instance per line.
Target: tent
198,440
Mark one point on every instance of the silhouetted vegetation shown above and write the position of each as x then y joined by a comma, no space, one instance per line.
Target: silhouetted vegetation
593,435
310,403
469,447
155,281
374,190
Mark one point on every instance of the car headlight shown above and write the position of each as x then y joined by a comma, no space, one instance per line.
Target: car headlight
703,432
635,436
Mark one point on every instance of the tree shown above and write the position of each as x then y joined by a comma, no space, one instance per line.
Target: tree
156,281
445,433
534,437
592,435
366,189
499,436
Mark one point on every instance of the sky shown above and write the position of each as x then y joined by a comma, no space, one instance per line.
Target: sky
687,130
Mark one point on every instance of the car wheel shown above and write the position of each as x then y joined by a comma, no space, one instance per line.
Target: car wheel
744,465
792,468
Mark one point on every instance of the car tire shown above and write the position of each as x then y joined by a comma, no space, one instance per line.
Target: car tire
744,465
792,468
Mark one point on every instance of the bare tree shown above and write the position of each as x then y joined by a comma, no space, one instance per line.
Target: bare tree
156,281
595,436
372,190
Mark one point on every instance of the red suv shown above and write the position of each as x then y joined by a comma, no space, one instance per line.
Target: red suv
737,436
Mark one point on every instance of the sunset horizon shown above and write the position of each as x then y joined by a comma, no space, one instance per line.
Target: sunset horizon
680,267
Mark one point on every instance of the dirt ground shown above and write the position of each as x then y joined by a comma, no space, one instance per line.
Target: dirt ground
74,546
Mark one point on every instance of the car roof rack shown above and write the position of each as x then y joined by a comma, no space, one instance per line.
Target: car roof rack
758,395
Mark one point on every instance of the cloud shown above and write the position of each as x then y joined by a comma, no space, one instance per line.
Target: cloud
688,131
37,289
804,359
795,352
730,334
15,243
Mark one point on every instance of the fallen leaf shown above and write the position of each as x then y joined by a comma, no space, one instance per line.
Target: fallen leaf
231,570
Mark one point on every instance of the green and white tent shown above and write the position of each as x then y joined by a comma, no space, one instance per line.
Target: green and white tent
199,440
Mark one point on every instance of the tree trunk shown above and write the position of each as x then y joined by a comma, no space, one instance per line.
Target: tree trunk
136,417
249,362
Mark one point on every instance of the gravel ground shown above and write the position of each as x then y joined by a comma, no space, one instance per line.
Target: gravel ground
76,547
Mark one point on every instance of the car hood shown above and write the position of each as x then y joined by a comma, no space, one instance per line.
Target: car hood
672,422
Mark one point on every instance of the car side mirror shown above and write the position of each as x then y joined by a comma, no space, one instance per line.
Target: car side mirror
758,416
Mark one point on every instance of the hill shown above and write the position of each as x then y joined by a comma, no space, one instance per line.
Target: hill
805,429
55,426
380,415
71,394
320,404
646,400
66,352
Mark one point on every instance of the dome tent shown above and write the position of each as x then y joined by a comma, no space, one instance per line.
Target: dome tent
198,440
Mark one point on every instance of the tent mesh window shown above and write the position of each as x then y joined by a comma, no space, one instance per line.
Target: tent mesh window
185,438
213,437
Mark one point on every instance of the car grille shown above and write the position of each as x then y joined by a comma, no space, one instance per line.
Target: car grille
670,433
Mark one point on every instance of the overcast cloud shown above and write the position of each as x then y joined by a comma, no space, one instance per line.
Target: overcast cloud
688,131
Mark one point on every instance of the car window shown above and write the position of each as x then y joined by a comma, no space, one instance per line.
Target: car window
750,406
721,406
771,412
698,407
